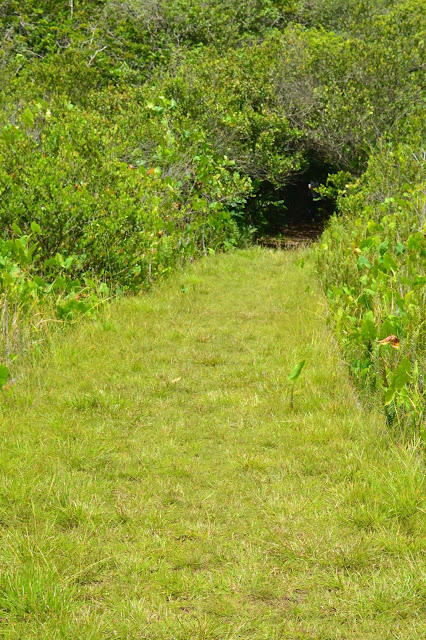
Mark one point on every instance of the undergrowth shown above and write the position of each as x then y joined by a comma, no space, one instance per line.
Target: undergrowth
372,261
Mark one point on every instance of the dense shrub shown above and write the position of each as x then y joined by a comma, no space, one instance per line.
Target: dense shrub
372,261
126,222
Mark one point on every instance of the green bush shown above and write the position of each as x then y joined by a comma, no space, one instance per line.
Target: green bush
372,262
126,222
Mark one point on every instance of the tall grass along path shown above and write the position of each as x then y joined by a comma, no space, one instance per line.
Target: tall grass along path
157,484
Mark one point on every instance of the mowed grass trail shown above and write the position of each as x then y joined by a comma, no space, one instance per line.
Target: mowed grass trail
156,485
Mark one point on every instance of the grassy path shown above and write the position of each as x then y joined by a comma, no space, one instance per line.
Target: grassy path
156,485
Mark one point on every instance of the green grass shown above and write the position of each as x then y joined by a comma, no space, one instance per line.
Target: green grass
155,483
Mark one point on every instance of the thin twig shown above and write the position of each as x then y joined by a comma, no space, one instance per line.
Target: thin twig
95,54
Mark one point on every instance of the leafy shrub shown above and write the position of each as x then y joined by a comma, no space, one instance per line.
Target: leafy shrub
372,262
29,284
126,223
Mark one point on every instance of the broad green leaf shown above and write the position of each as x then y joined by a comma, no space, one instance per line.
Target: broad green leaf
367,243
363,262
28,118
402,374
39,281
415,240
4,375
7,279
59,260
368,331
389,395
35,228
389,262
383,247
296,371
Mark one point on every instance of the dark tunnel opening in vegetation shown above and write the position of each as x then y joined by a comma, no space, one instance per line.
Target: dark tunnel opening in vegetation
293,212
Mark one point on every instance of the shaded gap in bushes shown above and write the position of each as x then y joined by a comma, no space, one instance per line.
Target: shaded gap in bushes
292,211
